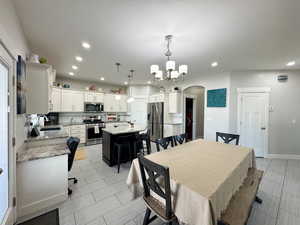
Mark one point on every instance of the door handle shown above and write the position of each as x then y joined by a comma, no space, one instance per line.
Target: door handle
262,128
1,171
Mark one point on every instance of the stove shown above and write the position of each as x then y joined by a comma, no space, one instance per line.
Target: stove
94,131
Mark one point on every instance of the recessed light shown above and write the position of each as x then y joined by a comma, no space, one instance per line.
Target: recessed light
71,74
86,45
291,63
102,78
214,64
74,67
149,82
125,82
78,58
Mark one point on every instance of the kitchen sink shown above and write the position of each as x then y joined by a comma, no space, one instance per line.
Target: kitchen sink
50,128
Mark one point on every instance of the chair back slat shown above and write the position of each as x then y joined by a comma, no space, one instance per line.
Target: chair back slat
164,143
157,180
179,139
227,138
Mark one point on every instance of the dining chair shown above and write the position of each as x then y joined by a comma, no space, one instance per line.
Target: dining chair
164,143
179,139
156,173
72,144
227,138
145,137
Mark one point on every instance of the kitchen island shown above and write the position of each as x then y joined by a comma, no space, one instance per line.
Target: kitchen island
110,134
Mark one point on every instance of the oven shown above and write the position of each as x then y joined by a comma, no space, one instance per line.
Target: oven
93,107
94,133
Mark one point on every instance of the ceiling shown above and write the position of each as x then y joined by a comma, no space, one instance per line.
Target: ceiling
239,34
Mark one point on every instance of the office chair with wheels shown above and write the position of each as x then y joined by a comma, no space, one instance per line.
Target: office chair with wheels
72,144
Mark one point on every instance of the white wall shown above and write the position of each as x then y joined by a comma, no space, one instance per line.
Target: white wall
12,35
284,124
215,119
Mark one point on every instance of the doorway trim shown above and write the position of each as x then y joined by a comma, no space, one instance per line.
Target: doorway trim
9,61
250,90
194,97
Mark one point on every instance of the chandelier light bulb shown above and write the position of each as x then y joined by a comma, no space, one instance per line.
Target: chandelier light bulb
174,74
183,69
159,75
154,69
170,65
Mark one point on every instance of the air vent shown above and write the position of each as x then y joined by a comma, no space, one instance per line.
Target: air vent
282,78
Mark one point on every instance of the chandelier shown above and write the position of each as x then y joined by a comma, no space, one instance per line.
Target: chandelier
171,73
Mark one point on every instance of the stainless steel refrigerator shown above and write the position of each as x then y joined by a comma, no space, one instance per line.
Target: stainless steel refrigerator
156,120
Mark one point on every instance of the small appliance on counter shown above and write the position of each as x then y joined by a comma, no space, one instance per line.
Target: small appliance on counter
53,119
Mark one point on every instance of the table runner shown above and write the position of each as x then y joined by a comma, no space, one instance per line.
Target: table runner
204,177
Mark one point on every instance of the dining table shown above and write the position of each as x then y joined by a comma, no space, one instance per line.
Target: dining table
204,176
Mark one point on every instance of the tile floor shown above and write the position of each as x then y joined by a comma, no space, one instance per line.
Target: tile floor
101,196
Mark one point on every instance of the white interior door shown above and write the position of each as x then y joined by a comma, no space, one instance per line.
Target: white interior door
4,168
253,121
7,154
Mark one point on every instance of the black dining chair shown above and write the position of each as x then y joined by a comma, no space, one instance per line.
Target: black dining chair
180,139
156,173
164,143
72,144
227,138
143,139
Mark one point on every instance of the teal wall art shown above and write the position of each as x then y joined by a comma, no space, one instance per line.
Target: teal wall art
216,97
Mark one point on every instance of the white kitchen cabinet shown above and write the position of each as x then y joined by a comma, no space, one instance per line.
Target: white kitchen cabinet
93,97
175,102
109,103
88,97
115,104
56,100
39,80
78,131
99,97
123,103
72,101
157,98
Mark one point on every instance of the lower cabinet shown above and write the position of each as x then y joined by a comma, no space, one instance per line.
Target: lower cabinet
76,131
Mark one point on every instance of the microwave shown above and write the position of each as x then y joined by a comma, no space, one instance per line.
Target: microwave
93,107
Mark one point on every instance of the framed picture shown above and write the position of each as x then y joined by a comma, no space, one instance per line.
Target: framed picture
216,97
21,89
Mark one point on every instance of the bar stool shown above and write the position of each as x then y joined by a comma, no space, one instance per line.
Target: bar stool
125,142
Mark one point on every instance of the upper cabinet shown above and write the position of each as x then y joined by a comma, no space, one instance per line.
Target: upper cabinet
39,77
174,102
72,101
94,97
56,100
115,103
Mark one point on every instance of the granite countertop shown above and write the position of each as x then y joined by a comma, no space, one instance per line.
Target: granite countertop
41,152
46,135
123,129
72,123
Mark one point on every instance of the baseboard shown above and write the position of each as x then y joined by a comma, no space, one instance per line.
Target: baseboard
27,211
283,156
